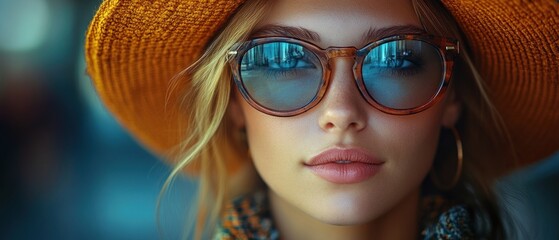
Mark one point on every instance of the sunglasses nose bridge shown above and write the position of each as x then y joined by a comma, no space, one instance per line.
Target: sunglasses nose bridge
344,52
340,52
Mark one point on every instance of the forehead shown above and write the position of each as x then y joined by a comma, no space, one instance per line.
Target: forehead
341,23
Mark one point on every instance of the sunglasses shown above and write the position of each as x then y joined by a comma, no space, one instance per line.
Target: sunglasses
400,75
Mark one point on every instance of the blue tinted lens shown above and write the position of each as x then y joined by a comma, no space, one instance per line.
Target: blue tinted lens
403,74
281,76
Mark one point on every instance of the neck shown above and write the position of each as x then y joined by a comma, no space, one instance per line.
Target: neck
401,222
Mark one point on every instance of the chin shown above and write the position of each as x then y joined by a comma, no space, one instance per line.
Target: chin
346,211
346,220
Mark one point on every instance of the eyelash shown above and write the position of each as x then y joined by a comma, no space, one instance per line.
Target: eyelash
416,67
285,72
307,59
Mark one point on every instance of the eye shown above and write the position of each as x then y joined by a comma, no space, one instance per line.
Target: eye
293,59
403,74
400,59
396,63
393,61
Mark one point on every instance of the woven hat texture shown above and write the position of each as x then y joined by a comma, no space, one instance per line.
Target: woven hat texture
133,50
515,45
135,47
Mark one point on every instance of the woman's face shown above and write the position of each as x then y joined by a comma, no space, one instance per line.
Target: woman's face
343,127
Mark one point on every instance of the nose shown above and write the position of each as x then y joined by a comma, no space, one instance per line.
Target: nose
343,108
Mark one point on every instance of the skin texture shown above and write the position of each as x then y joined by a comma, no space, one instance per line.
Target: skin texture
306,206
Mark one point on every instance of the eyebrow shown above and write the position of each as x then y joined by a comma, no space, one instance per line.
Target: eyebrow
311,36
285,31
378,33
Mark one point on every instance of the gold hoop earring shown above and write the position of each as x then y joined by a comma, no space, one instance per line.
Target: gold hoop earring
458,173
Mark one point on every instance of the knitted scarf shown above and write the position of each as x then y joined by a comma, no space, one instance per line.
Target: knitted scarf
249,217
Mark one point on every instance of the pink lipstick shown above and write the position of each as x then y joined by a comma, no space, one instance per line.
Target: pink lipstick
344,166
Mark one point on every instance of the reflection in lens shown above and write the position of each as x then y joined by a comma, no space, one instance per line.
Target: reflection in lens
281,76
403,74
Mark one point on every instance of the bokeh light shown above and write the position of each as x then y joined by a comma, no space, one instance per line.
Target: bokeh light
24,24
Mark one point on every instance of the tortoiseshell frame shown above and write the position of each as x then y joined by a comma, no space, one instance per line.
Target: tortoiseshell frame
448,48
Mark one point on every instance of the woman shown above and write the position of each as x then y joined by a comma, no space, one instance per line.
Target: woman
319,119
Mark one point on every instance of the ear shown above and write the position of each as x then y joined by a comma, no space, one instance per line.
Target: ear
451,111
235,111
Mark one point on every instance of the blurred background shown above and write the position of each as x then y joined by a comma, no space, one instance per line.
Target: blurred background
69,171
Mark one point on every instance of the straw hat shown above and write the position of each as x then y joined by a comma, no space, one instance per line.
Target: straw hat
135,47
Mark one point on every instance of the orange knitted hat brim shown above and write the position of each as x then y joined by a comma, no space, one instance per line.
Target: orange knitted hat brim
135,47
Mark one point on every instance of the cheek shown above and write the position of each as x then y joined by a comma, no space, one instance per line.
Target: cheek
267,137
409,143
274,153
273,143
268,140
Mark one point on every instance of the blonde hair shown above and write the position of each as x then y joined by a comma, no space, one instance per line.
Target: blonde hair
488,151
210,129
210,144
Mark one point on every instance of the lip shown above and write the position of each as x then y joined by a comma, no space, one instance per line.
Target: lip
344,166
